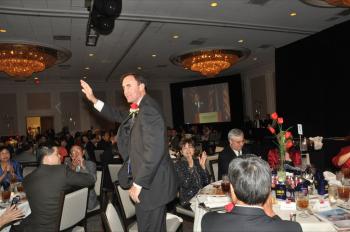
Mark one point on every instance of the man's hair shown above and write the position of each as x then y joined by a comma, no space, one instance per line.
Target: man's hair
235,133
183,142
140,79
250,177
78,146
45,150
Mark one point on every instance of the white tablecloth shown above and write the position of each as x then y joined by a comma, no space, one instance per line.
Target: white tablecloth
308,224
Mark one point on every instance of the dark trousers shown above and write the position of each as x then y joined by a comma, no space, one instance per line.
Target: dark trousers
151,220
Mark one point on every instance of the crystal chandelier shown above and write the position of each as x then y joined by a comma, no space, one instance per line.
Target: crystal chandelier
209,62
20,59
328,3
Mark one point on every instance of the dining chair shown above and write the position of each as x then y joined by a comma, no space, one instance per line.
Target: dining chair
98,190
73,210
27,170
214,169
128,213
181,210
113,171
218,149
111,219
98,154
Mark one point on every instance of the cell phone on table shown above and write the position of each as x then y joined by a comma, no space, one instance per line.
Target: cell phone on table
15,200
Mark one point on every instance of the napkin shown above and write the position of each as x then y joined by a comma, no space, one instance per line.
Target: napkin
331,178
317,142
216,201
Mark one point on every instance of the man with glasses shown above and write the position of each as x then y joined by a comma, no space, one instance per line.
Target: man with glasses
77,163
235,149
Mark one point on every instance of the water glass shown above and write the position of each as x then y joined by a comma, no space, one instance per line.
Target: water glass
333,194
344,192
302,200
225,184
339,176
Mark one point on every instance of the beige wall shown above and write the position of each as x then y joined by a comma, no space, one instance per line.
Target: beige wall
258,84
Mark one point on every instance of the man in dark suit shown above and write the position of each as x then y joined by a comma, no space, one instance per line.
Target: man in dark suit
143,145
235,149
250,179
43,188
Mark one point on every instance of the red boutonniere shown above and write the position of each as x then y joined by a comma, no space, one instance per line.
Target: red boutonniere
229,207
134,109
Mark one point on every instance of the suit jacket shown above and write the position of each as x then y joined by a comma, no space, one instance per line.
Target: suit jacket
90,168
246,219
225,158
43,188
143,140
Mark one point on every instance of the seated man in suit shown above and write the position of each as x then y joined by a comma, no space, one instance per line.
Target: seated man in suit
250,179
77,163
43,188
236,148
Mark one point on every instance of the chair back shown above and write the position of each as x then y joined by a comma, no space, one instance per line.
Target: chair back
218,149
98,182
113,171
127,205
27,170
214,169
98,154
111,219
74,208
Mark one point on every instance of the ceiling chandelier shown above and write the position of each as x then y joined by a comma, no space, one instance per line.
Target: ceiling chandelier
210,61
21,59
328,3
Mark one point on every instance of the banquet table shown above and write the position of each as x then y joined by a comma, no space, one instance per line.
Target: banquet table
209,197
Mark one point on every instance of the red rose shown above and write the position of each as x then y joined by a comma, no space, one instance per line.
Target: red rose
274,116
288,134
289,144
280,120
134,106
272,130
229,207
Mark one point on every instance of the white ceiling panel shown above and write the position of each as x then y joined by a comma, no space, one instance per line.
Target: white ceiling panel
146,27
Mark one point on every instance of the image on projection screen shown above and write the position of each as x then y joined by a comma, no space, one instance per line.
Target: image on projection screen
206,103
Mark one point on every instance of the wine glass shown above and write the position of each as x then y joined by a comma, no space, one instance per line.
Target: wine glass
225,184
302,200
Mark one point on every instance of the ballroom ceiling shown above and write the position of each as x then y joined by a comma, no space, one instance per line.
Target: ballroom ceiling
148,27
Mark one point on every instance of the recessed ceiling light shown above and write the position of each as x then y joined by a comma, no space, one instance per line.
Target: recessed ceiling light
293,14
175,36
255,58
240,41
91,54
154,55
87,68
2,30
139,68
214,4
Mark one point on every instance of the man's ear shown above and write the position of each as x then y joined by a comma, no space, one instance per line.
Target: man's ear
233,195
143,86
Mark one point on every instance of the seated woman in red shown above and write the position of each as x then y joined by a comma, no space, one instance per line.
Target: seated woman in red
292,157
342,159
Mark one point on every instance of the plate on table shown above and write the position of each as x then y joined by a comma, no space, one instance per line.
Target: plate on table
211,191
5,204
